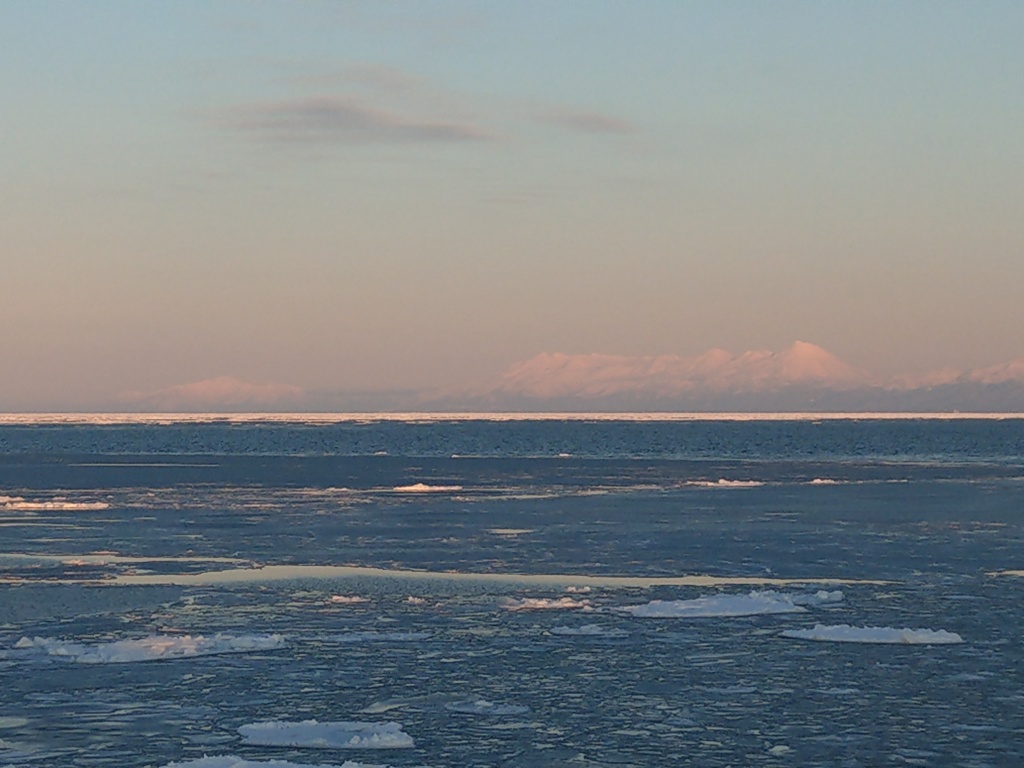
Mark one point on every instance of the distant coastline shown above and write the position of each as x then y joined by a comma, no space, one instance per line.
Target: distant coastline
113,418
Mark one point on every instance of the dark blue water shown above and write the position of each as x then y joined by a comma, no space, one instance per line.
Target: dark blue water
920,518
912,440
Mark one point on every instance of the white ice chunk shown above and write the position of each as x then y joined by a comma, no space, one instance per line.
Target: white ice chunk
231,761
545,604
151,648
589,630
724,483
755,603
844,633
484,707
424,488
56,504
311,734
380,707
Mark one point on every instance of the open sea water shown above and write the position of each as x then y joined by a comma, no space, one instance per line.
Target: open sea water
475,592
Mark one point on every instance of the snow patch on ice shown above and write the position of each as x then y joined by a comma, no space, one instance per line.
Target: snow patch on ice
844,633
755,603
545,604
151,648
231,761
341,734
484,707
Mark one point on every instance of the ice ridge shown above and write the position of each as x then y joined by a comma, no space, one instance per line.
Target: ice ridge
151,648
755,603
311,734
844,633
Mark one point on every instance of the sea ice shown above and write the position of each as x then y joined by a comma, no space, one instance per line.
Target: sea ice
231,761
844,633
384,637
484,707
311,734
151,648
348,599
267,573
1010,572
589,630
424,488
755,603
380,707
56,504
724,483
545,604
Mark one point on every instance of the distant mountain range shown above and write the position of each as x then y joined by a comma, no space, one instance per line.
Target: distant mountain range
803,377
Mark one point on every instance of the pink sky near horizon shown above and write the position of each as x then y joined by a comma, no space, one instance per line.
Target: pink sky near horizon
337,197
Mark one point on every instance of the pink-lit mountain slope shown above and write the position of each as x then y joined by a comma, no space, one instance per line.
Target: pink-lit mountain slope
803,377
592,376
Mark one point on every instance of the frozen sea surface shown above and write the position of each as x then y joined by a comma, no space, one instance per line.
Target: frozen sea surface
511,593
232,761
844,633
310,734
149,648
756,603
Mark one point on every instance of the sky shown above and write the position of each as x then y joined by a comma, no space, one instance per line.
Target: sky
344,196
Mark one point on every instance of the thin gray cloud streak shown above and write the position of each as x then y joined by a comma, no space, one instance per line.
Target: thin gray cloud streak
340,120
589,122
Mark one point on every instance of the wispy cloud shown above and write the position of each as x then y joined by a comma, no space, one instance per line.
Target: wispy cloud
588,122
342,119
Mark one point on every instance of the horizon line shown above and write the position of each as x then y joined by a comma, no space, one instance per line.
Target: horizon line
326,417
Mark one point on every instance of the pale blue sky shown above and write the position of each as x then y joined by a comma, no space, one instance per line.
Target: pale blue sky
342,195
